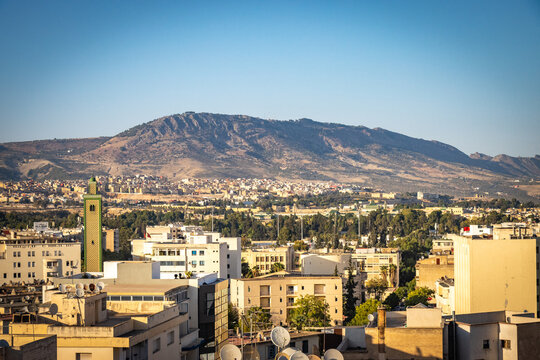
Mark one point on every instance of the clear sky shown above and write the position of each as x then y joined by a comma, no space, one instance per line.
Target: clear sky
466,73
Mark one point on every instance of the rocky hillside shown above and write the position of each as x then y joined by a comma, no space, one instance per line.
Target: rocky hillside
215,145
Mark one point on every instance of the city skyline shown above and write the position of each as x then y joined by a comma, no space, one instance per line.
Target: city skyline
463,74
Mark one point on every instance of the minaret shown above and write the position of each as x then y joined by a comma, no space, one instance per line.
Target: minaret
92,228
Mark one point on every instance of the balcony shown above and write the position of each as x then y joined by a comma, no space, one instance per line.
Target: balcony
292,290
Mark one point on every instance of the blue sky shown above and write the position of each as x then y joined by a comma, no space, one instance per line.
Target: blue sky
466,73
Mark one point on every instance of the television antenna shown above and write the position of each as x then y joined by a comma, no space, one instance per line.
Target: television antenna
230,352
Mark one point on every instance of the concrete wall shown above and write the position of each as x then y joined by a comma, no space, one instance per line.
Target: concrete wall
424,318
495,275
404,343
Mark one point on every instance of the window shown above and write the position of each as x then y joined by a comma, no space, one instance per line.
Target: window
201,252
156,346
505,344
92,207
271,351
193,252
228,256
305,346
83,356
485,344
201,262
170,338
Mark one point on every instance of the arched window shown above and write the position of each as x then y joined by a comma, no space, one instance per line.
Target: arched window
92,207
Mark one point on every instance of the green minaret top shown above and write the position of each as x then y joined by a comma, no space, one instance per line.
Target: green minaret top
92,186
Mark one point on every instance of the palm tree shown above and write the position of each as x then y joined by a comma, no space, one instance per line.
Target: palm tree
393,272
277,267
384,272
255,271
188,274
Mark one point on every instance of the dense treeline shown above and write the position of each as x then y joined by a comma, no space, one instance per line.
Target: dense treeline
20,221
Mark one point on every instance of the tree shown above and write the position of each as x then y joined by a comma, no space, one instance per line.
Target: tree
246,271
188,274
255,271
310,312
376,286
393,271
233,317
420,295
401,292
362,312
257,317
384,273
349,309
277,267
392,300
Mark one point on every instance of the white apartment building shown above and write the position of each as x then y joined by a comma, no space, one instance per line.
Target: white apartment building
194,251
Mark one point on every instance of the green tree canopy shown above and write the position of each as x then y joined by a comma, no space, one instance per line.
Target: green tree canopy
376,286
420,295
362,312
257,317
310,311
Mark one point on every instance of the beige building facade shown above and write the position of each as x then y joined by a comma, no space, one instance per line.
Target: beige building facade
264,258
38,258
429,270
374,261
496,275
111,240
278,292
84,329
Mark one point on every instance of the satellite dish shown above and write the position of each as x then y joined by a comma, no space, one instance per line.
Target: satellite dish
333,354
25,309
79,286
280,337
230,352
299,356
313,357
370,317
286,354
92,287
27,297
53,309
62,288
79,293
101,285
33,308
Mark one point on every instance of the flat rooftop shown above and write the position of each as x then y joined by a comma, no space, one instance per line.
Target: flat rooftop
146,289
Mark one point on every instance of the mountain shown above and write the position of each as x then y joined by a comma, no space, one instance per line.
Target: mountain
216,145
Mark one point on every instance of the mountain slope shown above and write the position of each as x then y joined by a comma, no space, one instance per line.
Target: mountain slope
215,145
